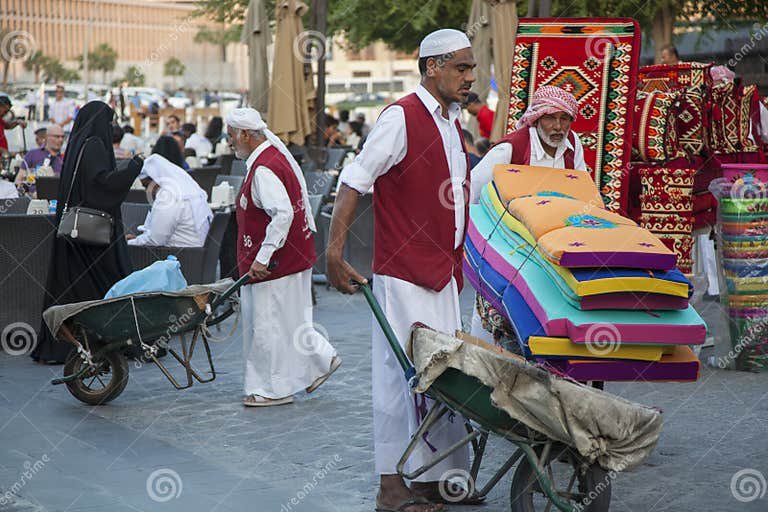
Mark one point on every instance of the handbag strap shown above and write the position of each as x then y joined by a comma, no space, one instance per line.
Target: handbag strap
74,174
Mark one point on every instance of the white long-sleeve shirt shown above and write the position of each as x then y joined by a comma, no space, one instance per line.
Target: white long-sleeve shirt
387,145
482,174
269,194
171,226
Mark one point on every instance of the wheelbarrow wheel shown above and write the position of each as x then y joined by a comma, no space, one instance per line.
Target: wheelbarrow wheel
102,382
585,488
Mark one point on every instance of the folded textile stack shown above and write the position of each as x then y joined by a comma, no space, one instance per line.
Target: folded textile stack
742,231
588,292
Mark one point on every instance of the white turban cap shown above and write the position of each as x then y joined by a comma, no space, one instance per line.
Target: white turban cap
445,40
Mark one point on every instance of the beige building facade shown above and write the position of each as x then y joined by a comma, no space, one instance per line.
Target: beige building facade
144,34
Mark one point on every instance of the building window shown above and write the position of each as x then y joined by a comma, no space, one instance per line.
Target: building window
361,74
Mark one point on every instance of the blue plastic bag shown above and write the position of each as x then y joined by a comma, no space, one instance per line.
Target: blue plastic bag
161,276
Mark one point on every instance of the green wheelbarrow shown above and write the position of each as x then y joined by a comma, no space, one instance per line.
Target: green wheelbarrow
548,473
96,370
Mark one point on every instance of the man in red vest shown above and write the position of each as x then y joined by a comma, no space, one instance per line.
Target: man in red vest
415,161
283,351
543,138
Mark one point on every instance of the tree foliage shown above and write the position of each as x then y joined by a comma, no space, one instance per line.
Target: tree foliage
55,71
36,63
402,23
103,58
173,67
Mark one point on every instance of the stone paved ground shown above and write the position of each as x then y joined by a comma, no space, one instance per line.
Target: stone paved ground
205,452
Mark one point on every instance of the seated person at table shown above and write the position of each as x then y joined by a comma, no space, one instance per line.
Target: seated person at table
117,138
131,142
179,215
40,134
167,147
51,151
49,155
200,144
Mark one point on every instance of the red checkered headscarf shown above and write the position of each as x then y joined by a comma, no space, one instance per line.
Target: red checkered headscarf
548,100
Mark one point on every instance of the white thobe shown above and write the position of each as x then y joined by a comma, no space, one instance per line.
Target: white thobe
172,226
394,408
482,174
200,144
283,351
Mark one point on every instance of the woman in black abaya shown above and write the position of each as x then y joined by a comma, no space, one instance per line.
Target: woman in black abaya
83,272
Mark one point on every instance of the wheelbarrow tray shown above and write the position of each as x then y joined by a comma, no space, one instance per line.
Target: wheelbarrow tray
157,314
472,399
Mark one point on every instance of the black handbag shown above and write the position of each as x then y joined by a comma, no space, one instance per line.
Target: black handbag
84,225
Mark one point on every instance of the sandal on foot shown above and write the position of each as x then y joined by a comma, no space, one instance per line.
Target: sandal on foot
335,363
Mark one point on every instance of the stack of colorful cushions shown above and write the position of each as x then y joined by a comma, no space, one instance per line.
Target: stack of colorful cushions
743,220
588,292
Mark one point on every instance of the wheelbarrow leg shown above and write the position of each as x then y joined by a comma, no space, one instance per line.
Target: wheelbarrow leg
435,413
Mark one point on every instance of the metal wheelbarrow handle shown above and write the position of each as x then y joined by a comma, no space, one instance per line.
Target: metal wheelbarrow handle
405,363
218,301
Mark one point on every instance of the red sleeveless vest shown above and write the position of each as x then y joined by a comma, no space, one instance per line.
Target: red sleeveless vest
414,223
521,147
298,252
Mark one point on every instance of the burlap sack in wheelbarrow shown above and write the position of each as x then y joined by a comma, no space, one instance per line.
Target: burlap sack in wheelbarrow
616,433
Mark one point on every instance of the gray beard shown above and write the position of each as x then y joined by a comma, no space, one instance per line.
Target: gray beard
546,140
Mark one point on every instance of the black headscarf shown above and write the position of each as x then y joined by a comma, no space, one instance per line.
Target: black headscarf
167,147
93,120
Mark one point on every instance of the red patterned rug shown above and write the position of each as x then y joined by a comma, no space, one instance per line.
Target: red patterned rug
596,61
693,82
666,205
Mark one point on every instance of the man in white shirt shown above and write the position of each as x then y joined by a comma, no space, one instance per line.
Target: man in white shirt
200,144
62,110
180,215
283,352
543,138
135,145
415,156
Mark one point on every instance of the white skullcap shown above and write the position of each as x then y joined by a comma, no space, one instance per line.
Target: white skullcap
245,119
445,40
250,119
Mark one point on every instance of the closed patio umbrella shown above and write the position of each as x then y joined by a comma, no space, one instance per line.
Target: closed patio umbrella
288,112
256,36
503,32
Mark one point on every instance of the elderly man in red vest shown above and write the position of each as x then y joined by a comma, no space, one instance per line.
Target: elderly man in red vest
283,352
415,161
543,138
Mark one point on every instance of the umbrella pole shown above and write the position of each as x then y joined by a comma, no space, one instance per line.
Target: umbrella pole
321,25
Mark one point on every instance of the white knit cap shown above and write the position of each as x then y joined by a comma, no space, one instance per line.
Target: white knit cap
250,119
445,40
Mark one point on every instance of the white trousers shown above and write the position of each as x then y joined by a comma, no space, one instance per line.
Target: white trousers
283,351
395,416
